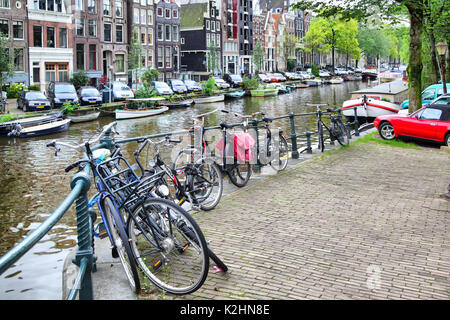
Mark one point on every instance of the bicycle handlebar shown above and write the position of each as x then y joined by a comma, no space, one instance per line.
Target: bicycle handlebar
166,141
86,144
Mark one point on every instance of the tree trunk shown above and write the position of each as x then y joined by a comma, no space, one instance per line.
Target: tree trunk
447,68
434,62
415,57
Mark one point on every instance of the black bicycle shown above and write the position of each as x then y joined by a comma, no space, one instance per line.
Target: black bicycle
156,234
337,129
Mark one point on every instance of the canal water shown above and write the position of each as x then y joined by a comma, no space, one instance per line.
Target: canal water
33,181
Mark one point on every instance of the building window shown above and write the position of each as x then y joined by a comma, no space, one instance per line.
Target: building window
182,40
175,33
143,16
150,59
167,13
18,30
107,8
159,12
150,16
119,33
4,3
62,37
168,57
4,27
119,65
119,9
207,25
80,56
51,37
79,5
92,6
92,28
37,36
208,39
175,13
150,36
143,36
92,57
218,40
160,57
18,59
136,15
107,32
168,32
213,26
160,32
80,27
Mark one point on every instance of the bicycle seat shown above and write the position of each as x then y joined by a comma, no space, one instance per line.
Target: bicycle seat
227,126
267,119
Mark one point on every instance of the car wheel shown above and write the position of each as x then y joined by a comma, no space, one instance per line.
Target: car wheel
387,131
447,140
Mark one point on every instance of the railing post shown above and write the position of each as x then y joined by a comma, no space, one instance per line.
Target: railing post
356,122
257,165
84,228
308,142
293,137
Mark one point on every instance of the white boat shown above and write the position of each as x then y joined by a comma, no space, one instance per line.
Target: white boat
368,108
42,129
209,99
84,116
336,80
139,113
313,82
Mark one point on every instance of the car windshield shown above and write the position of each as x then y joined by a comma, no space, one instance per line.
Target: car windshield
90,92
445,100
161,85
235,77
121,86
35,95
190,82
65,88
177,82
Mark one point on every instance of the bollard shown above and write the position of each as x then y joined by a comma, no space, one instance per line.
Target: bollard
308,142
294,153
356,122
84,257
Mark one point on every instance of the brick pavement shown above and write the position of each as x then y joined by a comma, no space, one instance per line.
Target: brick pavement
365,222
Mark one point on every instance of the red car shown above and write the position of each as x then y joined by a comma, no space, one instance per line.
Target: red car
431,123
271,77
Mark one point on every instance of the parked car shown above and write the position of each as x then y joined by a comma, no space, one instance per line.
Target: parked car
177,86
32,100
263,78
324,73
306,75
220,83
60,92
234,80
429,94
192,86
136,86
120,91
271,77
279,77
444,99
162,88
89,96
431,123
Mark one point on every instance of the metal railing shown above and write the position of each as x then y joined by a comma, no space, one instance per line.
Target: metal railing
80,184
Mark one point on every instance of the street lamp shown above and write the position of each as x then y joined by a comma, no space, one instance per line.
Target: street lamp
441,48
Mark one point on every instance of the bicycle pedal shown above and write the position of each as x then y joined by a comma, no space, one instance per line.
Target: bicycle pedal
101,230
184,248
157,265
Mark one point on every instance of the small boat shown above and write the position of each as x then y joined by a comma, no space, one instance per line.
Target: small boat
368,108
178,104
264,92
313,82
41,129
139,113
370,72
302,85
336,80
77,116
235,94
6,127
389,76
209,99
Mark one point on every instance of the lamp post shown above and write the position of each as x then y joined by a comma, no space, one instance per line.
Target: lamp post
441,48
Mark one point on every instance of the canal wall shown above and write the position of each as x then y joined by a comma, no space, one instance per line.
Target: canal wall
362,222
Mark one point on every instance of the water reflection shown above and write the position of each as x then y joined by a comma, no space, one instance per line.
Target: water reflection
33,182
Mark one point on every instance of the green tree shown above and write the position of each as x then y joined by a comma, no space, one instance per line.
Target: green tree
290,42
212,59
6,62
135,53
314,39
347,42
79,79
258,57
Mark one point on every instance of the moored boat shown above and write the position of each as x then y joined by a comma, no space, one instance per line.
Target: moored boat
178,104
139,113
6,127
368,108
264,92
336,80
209,99
313,82
77,116
234,94
41,129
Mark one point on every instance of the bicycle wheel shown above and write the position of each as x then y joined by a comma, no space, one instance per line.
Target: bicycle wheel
206,185
283,155
341,133
120,240
240,174
169,246
321,144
